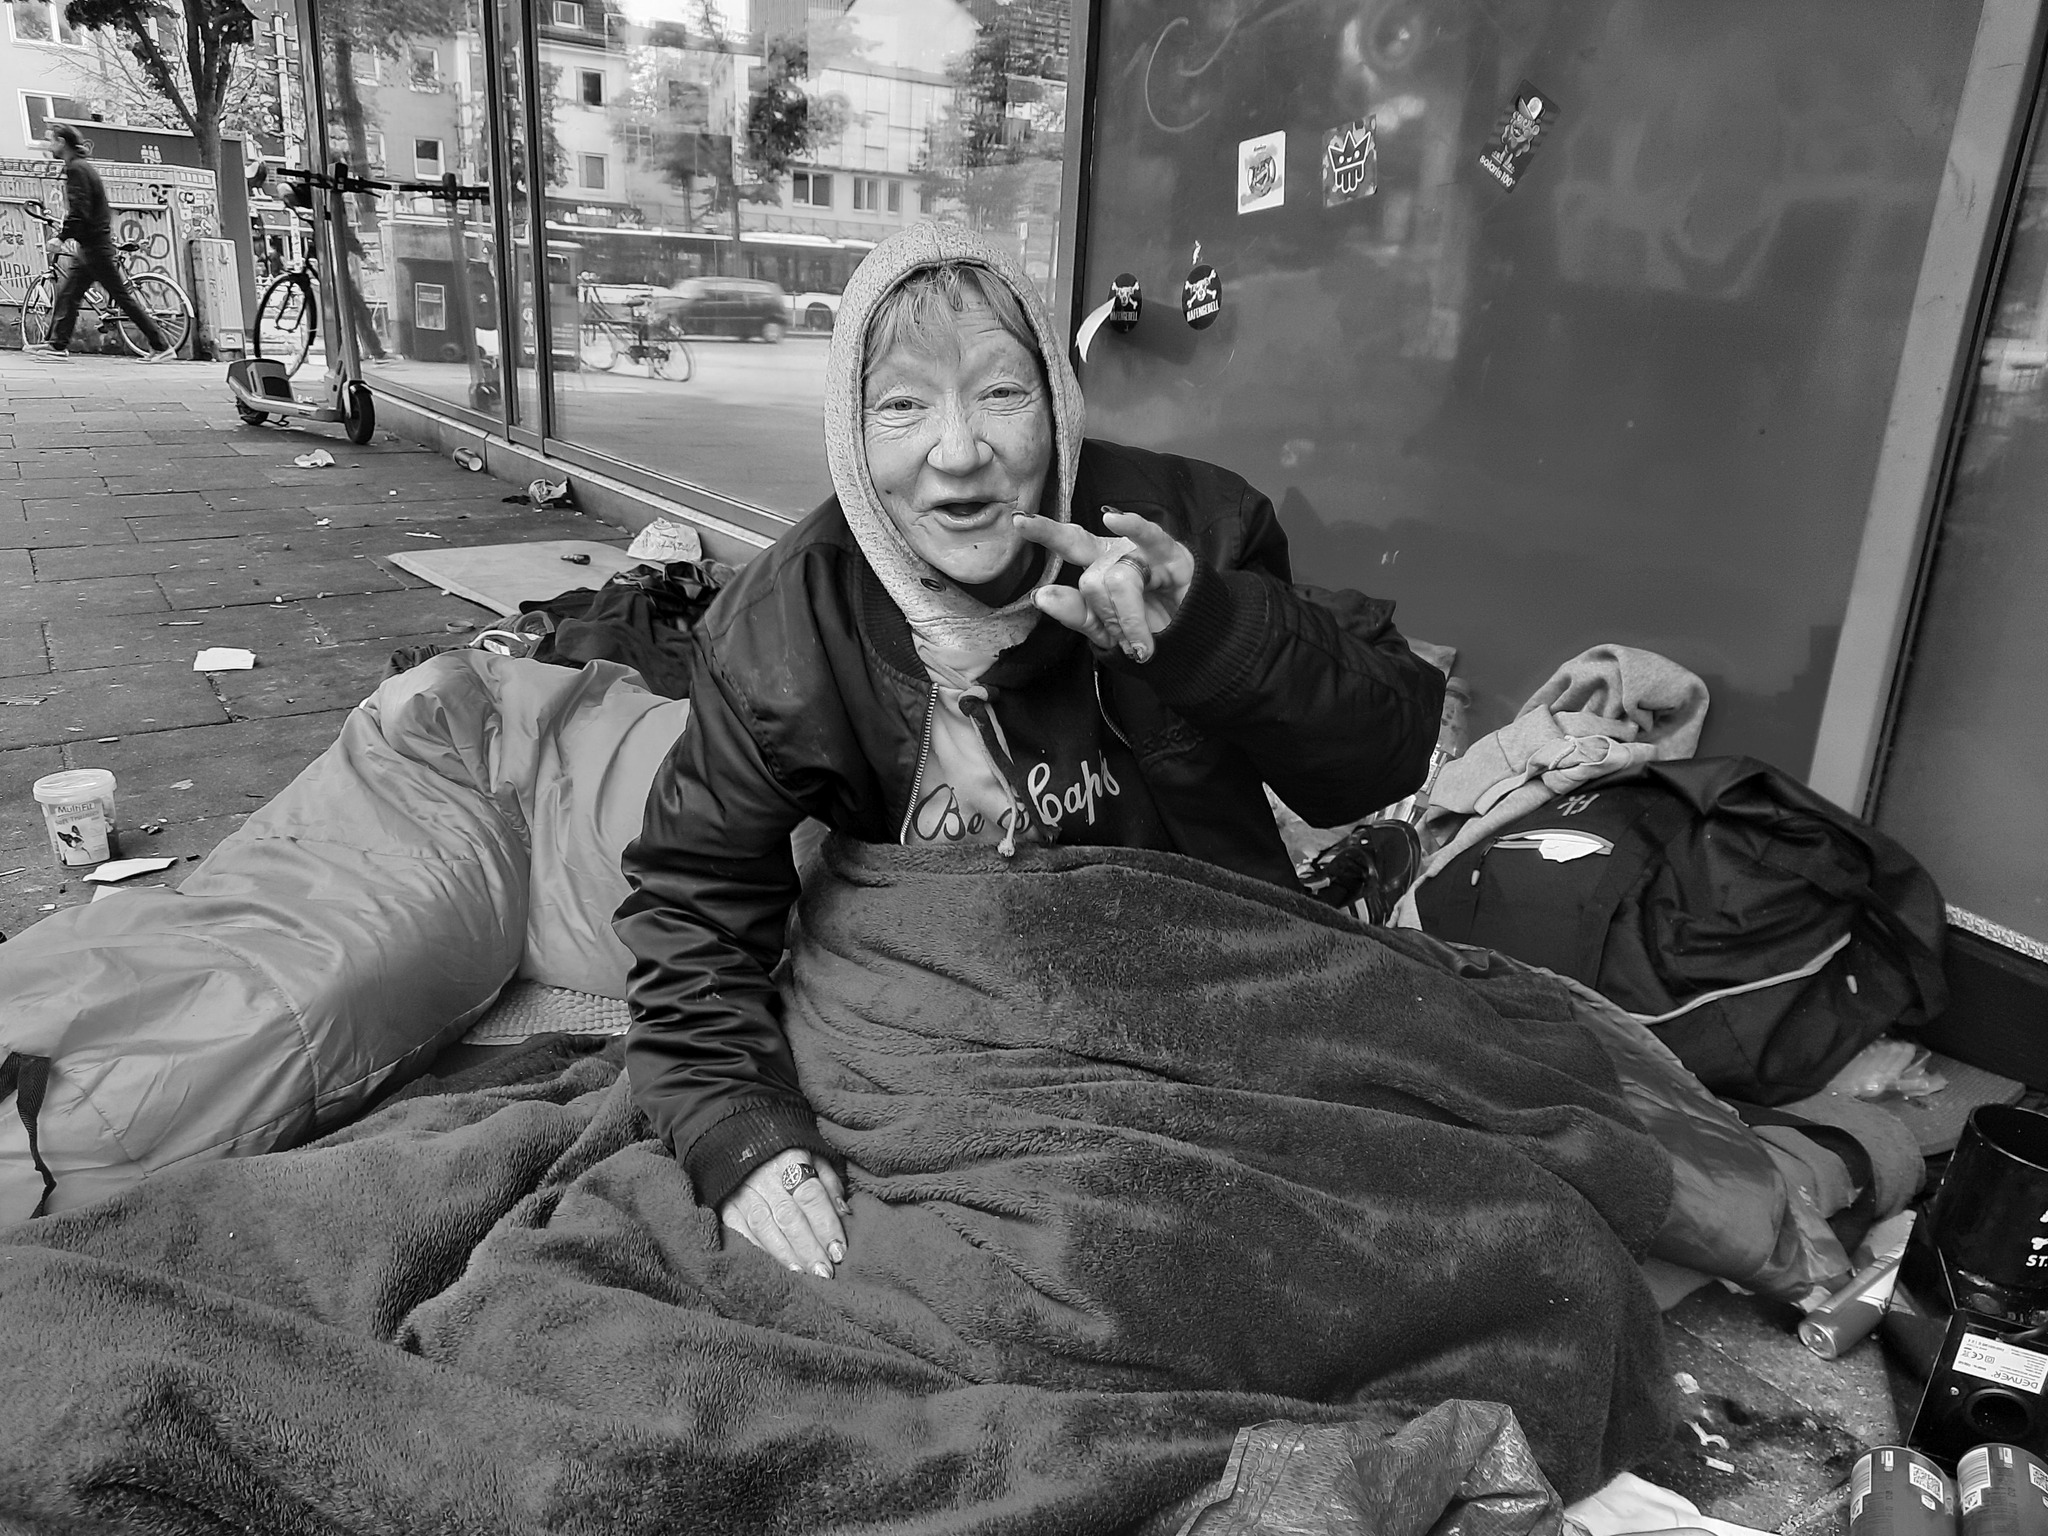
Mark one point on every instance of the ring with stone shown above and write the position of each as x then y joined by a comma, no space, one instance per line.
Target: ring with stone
797,1174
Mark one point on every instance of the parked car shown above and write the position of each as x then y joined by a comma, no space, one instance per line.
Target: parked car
725,306
816,311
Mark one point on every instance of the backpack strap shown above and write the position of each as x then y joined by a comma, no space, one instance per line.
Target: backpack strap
26,1077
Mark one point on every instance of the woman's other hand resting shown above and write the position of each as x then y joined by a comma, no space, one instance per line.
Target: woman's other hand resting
790,1208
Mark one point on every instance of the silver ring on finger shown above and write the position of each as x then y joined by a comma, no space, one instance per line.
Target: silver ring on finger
796,1175
1137,563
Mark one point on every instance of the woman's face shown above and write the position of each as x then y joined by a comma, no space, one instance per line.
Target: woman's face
958,445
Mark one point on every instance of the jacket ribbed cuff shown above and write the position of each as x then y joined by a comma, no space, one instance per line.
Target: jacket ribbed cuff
719,1161
1212,643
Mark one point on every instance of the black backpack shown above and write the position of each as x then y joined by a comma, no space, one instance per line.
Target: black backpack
1764,934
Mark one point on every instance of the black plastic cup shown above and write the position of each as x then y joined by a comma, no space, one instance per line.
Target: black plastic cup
1990,1218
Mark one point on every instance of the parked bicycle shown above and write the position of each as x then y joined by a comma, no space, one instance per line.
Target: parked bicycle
169,304
604,335
288,316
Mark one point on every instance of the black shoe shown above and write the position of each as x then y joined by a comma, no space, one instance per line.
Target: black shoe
1370,869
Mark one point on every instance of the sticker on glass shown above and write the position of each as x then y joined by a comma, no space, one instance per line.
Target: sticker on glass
1351,163
1201,296
1528,117
1126,302
1261,172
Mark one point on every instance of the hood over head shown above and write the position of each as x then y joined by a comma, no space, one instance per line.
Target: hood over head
942,616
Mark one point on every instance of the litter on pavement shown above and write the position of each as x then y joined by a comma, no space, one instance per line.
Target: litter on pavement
223,658
319,458
124,869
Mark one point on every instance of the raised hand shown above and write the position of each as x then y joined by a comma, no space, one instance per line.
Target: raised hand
1132,584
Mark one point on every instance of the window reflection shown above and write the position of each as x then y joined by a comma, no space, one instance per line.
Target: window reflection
406,102
715,172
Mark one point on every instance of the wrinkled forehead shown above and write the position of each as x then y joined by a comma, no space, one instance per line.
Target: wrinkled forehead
927,313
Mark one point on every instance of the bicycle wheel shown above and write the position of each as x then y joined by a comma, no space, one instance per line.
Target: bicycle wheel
167,305
597,349
287,320
36,305
671,359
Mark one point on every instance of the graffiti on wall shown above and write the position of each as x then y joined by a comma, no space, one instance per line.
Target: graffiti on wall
158,208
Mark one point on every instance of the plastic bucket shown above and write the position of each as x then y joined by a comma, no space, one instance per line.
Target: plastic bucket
1990,1219
78,812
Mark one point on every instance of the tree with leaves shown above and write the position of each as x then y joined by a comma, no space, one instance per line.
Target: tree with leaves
192,64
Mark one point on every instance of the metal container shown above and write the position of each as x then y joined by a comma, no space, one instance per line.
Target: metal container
1894,1491
2002,1490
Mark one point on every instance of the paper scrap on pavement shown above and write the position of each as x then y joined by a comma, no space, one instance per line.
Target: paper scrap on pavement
182,784
24,703
319,458
666,539
123,869
223,658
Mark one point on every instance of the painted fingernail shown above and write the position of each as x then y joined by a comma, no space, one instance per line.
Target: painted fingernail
836,1253
796,1269
822,1271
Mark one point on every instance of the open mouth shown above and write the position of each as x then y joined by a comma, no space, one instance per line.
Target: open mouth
965,515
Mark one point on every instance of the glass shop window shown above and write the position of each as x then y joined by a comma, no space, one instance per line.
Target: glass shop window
750,151
429,307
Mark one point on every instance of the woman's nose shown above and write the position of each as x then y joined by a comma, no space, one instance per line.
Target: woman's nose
959,449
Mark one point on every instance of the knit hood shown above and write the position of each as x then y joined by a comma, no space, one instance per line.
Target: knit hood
940,613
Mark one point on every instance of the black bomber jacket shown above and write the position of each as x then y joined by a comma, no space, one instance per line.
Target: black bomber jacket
809,700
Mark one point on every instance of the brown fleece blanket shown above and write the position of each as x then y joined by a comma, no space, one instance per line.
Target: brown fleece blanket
1140,1153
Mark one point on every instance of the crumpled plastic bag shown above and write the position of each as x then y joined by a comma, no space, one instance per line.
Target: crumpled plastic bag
1888,1069
319,458
1462,1469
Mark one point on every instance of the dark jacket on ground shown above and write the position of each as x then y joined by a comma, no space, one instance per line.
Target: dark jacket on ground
88,217
809,700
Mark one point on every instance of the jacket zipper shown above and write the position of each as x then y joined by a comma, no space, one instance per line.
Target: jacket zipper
1102,708
924,753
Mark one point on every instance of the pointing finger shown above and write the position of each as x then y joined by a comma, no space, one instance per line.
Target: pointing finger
1068,541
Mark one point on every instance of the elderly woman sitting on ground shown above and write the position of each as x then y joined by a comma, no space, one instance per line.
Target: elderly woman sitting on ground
996,632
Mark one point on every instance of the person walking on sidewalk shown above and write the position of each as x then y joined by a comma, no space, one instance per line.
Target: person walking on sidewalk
88,233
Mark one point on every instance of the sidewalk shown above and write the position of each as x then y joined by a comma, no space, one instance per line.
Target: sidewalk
140,520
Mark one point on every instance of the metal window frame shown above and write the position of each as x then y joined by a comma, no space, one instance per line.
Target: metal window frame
1930,391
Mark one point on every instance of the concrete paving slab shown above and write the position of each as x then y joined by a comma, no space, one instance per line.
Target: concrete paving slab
80,707
305,682
185,475
64,509
24,534
128,640
77,485
284,577
17,568
135,559
19,769
23,652
60,599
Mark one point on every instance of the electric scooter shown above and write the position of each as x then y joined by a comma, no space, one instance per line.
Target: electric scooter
262,388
